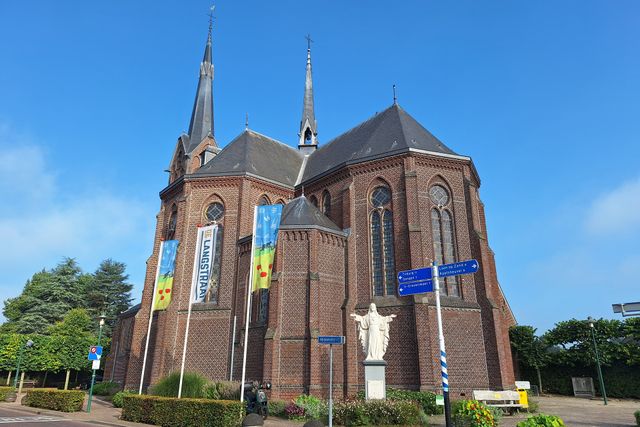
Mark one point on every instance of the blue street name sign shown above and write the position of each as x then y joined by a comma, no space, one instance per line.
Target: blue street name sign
413,288
414,275
331,339
456,268
95,352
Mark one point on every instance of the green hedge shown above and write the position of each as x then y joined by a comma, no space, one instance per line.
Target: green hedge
377,412
174,412
426,399
116,400
620,380
51,398
4,392
637,415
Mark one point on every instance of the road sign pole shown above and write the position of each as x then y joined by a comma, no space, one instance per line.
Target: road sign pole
331,385
443,354
93,375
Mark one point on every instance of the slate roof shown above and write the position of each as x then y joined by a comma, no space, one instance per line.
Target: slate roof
255,154
300,212
390,132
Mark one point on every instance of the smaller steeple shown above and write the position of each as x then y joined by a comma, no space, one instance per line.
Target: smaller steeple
308,127
201,124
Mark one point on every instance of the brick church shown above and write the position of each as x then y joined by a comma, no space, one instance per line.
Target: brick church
382,197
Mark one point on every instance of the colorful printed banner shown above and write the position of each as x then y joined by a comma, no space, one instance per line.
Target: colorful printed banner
164,286
265,237
203,262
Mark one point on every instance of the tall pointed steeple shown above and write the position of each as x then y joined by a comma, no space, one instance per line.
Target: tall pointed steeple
308,127
202,117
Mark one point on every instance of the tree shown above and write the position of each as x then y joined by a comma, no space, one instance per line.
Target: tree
108,292
531,350
46,297
574,338
70,341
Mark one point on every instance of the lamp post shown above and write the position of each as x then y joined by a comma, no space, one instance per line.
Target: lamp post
28,344
595,348
102,318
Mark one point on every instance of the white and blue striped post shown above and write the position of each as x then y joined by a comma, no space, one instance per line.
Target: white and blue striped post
443,353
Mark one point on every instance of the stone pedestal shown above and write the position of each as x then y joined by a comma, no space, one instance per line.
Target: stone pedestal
375,385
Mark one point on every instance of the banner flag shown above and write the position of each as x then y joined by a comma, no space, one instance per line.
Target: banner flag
264,238
164,285
203,262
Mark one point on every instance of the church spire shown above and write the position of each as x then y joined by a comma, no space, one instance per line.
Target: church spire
201,123
308,127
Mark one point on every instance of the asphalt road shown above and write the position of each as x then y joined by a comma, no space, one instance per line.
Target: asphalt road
25,419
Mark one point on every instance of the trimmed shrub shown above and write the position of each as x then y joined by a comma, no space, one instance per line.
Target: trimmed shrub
426,399
228,390
471,413
542,420
173,412
5,392
51,398
117,398
637,415
106,388
193,385
377,412
276,407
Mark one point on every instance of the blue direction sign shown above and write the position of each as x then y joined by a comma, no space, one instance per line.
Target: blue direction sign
456,268
414,275
413,288
95,352
331,339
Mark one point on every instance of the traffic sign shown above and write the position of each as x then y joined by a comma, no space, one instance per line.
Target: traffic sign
95,352
95,364
413,288
414,275
331,339
456,268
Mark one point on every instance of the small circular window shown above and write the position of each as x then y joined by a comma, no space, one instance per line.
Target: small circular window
381,196
215,211
439,195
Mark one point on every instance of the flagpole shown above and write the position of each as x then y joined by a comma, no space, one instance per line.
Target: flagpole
196,262
153,299
249,286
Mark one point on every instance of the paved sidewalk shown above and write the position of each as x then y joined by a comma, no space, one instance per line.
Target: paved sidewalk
102,413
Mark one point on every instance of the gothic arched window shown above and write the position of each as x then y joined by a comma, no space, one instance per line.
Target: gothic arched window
443,240
215,213
326,203
173,222
383,265
264,200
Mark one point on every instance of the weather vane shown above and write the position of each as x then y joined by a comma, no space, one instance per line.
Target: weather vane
309,41
210,14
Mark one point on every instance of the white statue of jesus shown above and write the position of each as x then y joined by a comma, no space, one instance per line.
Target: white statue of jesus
373,332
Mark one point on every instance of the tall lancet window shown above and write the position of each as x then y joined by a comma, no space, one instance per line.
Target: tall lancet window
326,203
214,213
383,265
172,224
442,233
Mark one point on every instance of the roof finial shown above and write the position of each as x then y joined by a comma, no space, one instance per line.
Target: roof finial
246,121
309,41
395,98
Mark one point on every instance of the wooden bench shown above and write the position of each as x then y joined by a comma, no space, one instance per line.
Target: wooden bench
508,400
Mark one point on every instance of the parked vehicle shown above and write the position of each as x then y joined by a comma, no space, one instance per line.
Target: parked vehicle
256,398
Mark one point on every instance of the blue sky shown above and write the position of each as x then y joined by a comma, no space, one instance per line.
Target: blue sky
544,96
